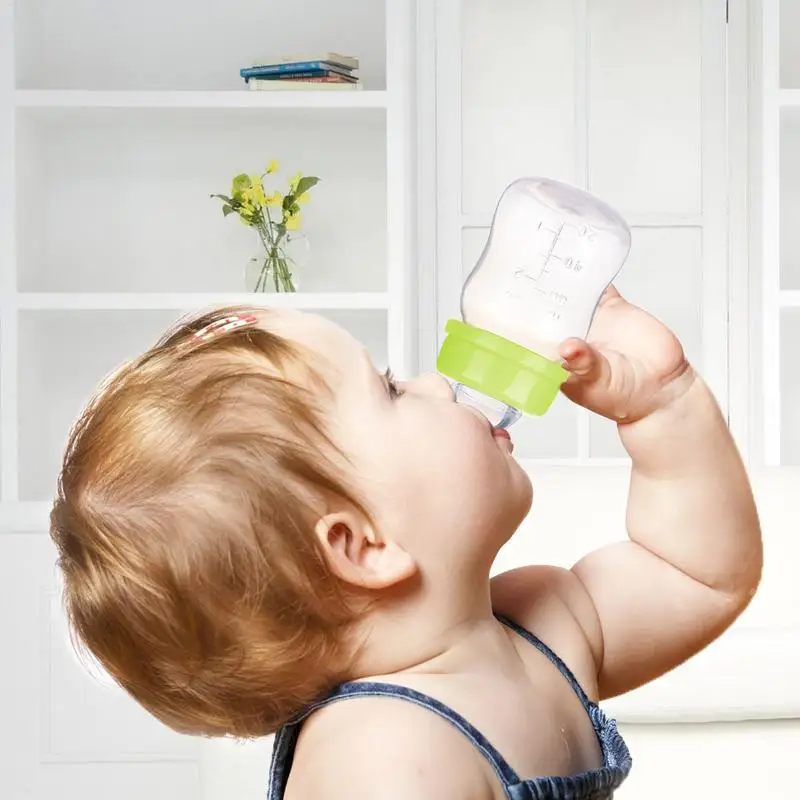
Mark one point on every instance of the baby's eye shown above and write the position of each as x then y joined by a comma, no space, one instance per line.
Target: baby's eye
391,385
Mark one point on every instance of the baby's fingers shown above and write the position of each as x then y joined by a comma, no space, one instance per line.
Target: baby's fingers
582,360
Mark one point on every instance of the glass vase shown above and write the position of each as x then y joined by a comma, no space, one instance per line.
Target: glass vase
274,268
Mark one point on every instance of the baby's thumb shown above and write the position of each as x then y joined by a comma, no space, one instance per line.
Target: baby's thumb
581,359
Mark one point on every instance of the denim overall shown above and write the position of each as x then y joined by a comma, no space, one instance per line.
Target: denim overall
595,784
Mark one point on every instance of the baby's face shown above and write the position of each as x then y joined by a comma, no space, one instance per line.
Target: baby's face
431,470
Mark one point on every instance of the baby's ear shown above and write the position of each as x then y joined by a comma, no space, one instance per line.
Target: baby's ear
358,556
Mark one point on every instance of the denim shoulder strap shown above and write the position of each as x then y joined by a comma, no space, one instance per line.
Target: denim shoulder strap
286,739
554,659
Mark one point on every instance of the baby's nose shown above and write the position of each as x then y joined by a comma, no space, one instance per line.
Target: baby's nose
433,385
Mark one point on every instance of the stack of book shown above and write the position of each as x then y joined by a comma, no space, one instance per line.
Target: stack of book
313,72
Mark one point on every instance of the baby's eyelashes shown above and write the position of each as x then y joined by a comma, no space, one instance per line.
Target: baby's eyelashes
393,387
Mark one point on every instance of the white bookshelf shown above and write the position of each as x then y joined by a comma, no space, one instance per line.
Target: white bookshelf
111,118
117,123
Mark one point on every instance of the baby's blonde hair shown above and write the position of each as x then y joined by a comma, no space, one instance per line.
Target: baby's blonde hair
186,536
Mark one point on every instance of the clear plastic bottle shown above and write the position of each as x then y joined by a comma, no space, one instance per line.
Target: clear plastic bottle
551,252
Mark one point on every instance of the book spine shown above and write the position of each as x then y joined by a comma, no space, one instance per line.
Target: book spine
273,76
331,76
289,69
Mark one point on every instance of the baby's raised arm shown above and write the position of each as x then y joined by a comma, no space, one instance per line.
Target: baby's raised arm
693,557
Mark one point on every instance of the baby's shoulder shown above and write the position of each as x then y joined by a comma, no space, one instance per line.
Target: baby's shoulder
374,746
552,603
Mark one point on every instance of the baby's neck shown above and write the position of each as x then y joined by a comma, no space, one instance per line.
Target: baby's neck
429,630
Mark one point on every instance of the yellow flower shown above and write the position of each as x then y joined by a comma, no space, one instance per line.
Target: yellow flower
293,222
256,192
303,199
272,167
275,199
293,181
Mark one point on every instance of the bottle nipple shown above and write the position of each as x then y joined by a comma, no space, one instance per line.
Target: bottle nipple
499,414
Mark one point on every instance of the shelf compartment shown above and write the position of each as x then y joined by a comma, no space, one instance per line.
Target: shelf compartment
125,196
100,45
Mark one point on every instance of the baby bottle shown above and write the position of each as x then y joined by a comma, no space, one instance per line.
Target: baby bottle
551,252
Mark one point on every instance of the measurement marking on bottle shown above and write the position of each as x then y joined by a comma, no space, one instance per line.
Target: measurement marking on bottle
523,273
565,237
556,235
572,264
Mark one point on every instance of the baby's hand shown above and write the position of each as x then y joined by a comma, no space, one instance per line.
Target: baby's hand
630,365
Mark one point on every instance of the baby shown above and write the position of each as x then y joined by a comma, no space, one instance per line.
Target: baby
260,533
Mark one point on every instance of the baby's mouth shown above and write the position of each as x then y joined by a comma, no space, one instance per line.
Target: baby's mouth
502,433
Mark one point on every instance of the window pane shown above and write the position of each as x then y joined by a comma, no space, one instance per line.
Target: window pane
645,109
790,199
790,52
517,96
790,387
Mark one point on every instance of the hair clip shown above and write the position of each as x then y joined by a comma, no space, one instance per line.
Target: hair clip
224,325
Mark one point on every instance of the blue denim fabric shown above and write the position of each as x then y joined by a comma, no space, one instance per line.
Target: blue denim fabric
595,784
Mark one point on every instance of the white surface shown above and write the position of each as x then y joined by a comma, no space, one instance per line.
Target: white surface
735,762
83,99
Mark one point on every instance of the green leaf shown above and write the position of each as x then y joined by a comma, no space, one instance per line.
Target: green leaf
304,184
228,210
241,182
223,197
